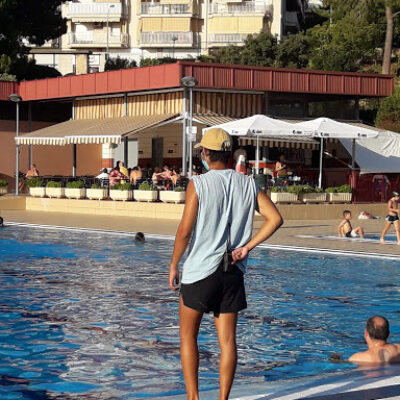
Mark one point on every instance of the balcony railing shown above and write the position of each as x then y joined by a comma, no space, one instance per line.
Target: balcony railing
94,10
164,9
167,38
228,38
98,40
245,8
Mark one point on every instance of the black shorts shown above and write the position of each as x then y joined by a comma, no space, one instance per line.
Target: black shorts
220,292
392,218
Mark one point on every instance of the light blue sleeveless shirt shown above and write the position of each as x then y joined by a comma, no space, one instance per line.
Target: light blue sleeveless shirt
227,201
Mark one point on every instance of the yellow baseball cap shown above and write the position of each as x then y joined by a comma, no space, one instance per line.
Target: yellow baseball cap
215,139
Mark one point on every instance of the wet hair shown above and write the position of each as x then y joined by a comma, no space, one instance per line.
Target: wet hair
346,212
222,156
139,237
378,328
1,222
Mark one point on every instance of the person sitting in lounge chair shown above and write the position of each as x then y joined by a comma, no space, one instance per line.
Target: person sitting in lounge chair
346,230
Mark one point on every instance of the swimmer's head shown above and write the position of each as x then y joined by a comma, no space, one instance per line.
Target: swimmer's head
347,214
396,194
139,237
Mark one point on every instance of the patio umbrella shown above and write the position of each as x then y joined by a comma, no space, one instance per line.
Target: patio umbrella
329,128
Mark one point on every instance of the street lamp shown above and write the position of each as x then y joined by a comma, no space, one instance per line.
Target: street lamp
15,98
188,82
108,14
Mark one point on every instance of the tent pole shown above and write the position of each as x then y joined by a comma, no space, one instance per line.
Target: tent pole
353,162
258,156
321,159
74,160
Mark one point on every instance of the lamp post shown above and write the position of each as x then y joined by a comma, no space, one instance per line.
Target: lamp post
15,98
108,14
188,82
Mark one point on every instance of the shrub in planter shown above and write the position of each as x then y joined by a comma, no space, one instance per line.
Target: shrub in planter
121,191
3,187
75,190
341,194
146,192
54,189
178,195
282,194
97,192
310,194
36,187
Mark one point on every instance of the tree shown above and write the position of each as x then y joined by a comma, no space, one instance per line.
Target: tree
119,63
293,52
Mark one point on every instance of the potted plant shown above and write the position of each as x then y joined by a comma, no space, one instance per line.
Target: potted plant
75,190
55,189
341,194
285,194
97,192
121,191
3,187
36,187
146,192
310,194
178,195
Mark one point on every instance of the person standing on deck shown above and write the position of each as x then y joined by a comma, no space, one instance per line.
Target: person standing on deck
218,222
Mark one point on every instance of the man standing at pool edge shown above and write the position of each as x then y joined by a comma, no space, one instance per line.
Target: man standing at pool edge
217,220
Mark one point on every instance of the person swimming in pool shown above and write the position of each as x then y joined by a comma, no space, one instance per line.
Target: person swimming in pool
346,230
393,217
379,351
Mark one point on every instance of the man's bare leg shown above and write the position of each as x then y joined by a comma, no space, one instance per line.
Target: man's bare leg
384,232
226,328
189,321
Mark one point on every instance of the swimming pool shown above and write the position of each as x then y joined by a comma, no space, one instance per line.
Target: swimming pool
90,315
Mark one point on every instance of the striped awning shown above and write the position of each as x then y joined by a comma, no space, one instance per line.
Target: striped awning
281,141
92,131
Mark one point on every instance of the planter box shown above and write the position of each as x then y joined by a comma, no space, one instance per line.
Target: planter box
146,195
55,192
37,191
97,194
75,193
3,190
339,197
313,197
168,196
123,195
283,197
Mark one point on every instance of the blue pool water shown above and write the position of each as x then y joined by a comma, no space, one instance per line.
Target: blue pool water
89,316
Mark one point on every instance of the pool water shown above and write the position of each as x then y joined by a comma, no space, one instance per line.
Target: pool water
86,315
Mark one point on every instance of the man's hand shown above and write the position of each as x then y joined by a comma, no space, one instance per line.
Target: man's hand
239,254
173,278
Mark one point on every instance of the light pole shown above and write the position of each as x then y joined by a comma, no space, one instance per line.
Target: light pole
188,82
15,98
108,14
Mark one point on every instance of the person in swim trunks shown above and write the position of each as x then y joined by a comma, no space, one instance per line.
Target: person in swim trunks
217,221
393,217
346,230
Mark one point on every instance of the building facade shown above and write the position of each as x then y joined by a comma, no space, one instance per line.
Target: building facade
136,29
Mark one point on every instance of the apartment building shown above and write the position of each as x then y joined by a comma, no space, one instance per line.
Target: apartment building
136,29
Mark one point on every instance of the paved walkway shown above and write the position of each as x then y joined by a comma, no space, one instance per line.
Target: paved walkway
292,233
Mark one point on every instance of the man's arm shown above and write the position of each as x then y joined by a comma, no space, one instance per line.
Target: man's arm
183,234
273,221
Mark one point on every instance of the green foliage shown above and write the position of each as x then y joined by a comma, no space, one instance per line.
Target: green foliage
179,189
344,189
119,63
147,187
122,186
293,52
388,116
294,189
54,184
34,182
75,185
3,183
96,186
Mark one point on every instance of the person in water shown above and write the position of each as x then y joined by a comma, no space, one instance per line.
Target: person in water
379,351
346,230
393,217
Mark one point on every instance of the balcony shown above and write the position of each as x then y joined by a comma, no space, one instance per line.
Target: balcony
244,8
95,12
225,39
168,39
164,9
94,39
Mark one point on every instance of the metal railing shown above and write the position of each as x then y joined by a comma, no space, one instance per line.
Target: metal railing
164,9
94,9
245,8
97,39
167,38
228,38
